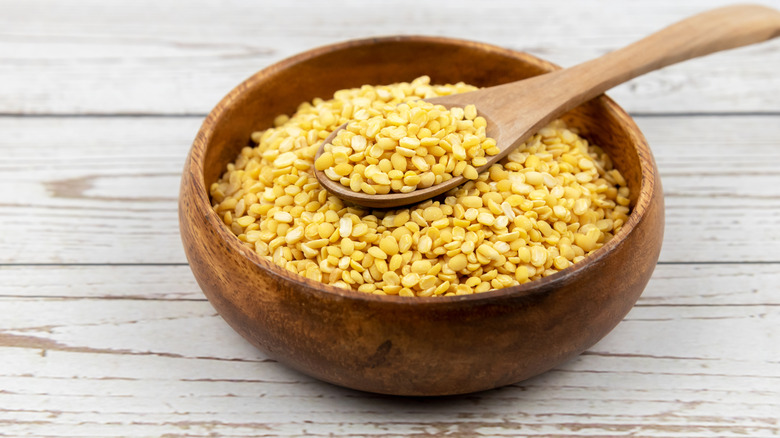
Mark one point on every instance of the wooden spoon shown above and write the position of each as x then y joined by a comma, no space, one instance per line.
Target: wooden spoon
516,110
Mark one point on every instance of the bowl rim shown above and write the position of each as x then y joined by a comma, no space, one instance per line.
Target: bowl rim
202,203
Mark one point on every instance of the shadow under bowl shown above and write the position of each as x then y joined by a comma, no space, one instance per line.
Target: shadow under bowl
413,346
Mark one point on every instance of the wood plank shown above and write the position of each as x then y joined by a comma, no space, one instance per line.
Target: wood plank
102,365
104,190
149,327
107,193
138,282
134,57
671,285
92,190
721,186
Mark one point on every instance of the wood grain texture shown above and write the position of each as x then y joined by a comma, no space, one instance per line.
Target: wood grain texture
79,366
126,282
175,58
629,383
206,398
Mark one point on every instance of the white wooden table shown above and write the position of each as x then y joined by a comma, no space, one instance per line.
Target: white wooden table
103,331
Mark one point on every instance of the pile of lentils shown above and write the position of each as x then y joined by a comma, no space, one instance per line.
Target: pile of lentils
544,207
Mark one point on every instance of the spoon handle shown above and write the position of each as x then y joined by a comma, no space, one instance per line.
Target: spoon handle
712,31
545,97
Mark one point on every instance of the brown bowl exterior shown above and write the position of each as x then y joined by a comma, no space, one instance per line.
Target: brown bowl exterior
413,346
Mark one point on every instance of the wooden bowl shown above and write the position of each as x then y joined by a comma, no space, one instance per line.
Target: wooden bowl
413,346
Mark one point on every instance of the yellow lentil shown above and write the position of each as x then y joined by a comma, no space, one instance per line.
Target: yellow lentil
547,205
